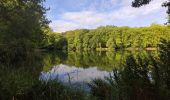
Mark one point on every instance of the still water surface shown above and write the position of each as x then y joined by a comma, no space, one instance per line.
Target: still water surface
82,67
71,73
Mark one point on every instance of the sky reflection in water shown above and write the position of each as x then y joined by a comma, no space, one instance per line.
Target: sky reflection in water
77,75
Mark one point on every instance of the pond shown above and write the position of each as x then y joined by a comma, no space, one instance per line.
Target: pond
76,68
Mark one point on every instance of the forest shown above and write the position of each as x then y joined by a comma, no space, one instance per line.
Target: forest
108,38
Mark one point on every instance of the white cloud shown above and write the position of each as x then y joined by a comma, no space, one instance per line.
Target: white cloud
61,26
92,18
103,4
85,17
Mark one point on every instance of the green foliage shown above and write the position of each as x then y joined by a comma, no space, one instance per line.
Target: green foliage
56,41
114,38
21,22
75,39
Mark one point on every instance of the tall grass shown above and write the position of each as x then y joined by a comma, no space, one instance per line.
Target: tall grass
52,90
46,90
140,79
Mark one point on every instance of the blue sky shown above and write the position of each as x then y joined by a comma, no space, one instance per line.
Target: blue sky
77,14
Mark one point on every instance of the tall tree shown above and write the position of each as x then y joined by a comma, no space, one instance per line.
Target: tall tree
21,22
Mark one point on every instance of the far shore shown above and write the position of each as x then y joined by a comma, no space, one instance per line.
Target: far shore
129,49
104,49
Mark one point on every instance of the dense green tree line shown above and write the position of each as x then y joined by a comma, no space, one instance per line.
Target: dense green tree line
52,40
112,37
